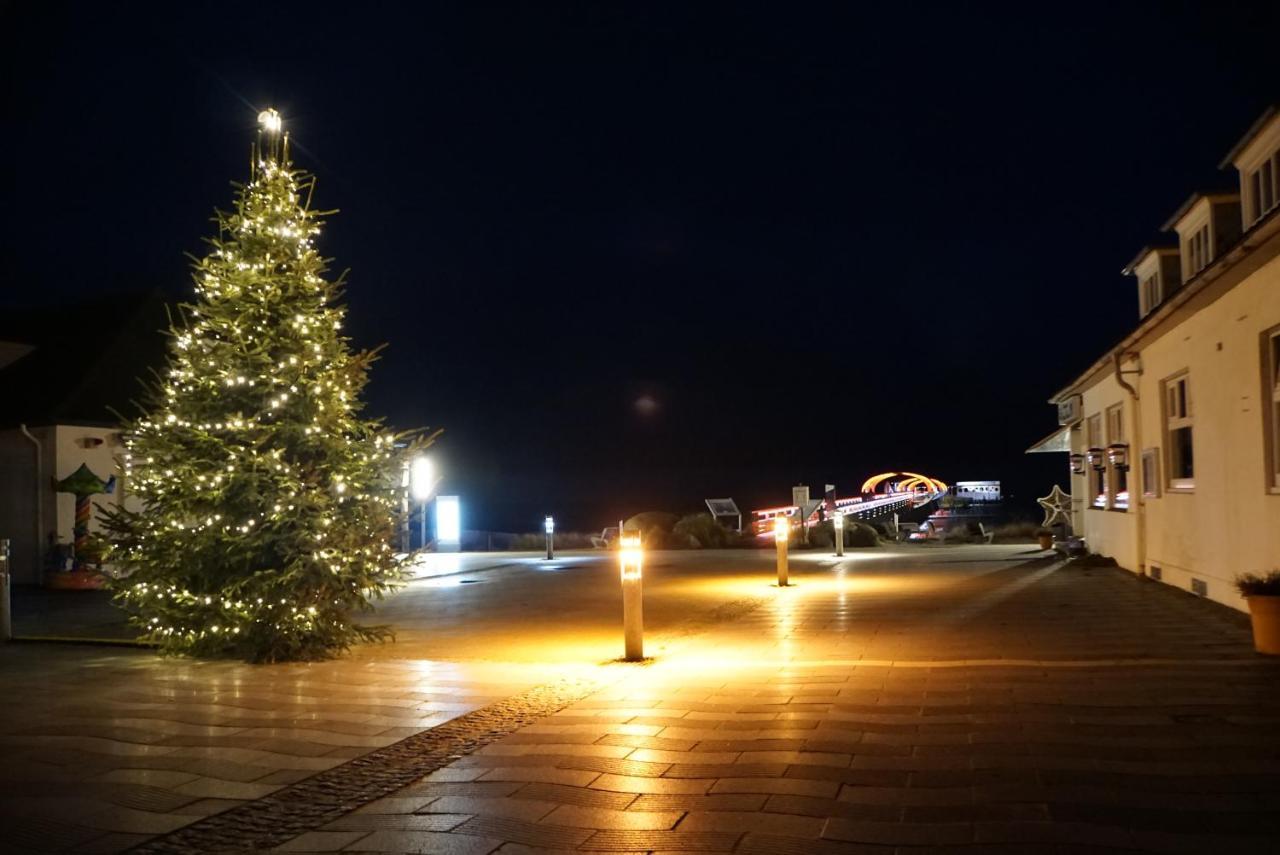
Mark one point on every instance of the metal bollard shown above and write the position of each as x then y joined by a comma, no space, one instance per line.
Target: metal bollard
838,524
630,559
6,616
549,526
781,531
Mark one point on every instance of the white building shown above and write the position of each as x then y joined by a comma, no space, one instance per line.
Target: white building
60,386
1175,433
978,491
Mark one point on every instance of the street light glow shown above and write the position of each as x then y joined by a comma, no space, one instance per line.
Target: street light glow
421,477
781,528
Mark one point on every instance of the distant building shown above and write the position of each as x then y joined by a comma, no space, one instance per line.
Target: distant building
977,491
1174,434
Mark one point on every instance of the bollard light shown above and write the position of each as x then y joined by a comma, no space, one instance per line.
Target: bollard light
631,562
781,531
838,522
631,557
549,526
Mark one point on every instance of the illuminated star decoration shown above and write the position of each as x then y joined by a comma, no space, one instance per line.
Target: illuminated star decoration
1057,507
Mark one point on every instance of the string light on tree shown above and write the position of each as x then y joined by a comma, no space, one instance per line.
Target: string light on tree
268,500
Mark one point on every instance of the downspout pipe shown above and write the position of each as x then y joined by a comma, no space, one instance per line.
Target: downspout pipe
39,504
1136,499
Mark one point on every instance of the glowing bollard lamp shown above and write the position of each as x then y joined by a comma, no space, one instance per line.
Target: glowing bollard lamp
549,526
781,531
838,522
631,559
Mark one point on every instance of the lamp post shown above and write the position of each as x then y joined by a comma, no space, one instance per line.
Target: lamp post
781,531
421,483
630,561
838,522
549,526
6,621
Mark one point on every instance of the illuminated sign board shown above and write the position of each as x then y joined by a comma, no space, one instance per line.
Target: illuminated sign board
448,521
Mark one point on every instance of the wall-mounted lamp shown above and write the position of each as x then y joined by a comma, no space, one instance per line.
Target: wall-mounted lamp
1077,464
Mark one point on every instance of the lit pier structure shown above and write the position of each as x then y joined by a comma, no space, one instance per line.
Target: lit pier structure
880,495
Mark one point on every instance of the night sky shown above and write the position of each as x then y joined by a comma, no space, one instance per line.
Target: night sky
631,256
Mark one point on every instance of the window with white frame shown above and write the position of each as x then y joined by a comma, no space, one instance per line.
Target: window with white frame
1271,355
1097,477
1151,473
1117,479
1264,187
1180,463
1150,294
1198,255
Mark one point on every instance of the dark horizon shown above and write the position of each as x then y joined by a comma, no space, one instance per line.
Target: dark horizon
633,257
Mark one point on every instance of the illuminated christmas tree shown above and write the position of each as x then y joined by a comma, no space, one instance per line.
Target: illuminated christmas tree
268,503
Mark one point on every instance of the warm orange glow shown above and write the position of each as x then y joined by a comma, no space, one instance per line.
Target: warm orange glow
869,485
630,557
781,529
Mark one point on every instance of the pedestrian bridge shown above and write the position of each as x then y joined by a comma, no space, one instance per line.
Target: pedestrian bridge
881,495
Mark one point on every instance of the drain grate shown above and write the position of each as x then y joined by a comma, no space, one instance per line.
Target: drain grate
275,819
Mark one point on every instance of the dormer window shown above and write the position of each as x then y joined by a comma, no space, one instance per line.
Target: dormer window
1207,225
1197,252
1159,276
1257,158
1264,188
1150,295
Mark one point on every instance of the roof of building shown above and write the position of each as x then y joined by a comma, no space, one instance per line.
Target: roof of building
1154,246
85,363
1254,129
1210,194
1265,229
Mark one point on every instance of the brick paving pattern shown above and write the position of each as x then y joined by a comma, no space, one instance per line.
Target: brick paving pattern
325,797
104,749
973,699
1028,708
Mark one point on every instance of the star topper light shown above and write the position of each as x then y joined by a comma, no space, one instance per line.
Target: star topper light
270,121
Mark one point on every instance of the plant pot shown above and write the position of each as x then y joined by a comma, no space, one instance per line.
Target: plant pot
1264,611
1045,540
75,580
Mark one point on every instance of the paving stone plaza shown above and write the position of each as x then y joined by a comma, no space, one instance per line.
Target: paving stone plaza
914,700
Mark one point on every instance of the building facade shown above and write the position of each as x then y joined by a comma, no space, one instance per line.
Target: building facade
1174,434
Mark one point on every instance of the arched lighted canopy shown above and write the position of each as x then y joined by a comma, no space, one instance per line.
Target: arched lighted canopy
913,480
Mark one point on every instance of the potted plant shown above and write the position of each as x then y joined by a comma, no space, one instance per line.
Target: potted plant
1262,592
1045,537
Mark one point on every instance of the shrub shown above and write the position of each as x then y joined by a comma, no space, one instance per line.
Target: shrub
1016,532
536,541
701,531
822,536
859,534
1255,585
646,521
